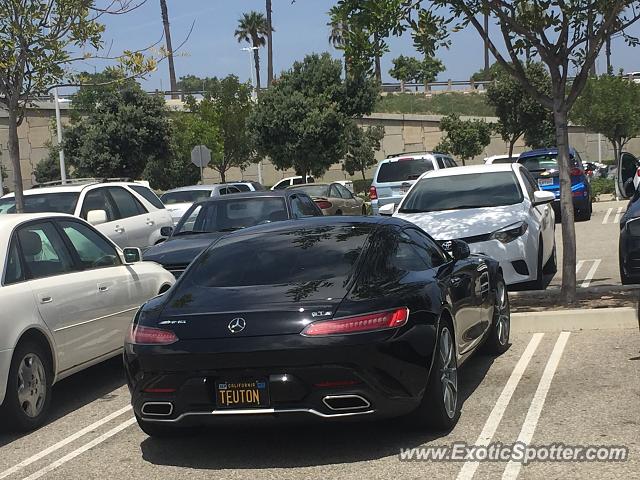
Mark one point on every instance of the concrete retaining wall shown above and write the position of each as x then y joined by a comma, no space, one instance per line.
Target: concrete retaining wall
403,133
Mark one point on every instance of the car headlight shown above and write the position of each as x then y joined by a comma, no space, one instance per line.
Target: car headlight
633,227
510,233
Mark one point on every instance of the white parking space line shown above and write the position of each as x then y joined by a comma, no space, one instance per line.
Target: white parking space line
79,451
617,217
579,265
64,442
592,271
491,425
607,215
535,409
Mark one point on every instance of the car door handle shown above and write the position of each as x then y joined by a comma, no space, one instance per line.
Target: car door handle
46,299
103,288
119,229
150,222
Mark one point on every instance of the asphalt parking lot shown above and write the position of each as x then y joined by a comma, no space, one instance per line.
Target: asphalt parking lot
596,247
576,388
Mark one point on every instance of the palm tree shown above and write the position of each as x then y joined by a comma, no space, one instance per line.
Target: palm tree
253,29
167,36
270,44
338,34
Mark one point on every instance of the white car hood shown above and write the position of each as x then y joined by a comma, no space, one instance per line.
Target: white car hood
456,224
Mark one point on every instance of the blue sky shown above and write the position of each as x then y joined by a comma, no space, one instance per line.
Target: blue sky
301,28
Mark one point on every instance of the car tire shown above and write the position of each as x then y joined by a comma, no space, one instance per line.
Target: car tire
551,266
538,283
585,215
30,370
338,212
624,278
497,341
437,412
161,430
364,210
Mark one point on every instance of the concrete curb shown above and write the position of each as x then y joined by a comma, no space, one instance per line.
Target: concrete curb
572,320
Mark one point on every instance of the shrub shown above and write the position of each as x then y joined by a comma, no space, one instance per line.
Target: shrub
601,186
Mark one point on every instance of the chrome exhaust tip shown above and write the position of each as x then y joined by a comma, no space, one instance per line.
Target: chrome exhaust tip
157,409
341,403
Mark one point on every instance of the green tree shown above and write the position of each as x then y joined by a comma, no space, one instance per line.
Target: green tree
405,69
487,75
117,132
518,113
609,105
362,144
192,84
39,43
567,37
430,67
300,122
227,104
253,28
542,135
464,138
48,169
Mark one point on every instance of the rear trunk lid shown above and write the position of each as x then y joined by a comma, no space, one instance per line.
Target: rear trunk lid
208,313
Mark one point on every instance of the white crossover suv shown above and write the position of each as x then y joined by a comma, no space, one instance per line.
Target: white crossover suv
497,209
128,213
67,297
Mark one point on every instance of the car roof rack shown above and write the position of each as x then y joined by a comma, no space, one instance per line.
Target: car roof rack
422,152
80,181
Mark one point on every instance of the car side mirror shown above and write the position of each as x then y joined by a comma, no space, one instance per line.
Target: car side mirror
387,209
166,231
97,217
459,250
132,255
541,197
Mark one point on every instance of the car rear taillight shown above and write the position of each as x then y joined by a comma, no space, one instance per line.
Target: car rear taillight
638,172
576,172
373,193
359,324
323,204
141,335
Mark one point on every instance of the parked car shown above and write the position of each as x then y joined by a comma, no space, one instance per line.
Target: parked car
290,181
543,165
395,175
247,186
500,159
348,184
68,295
179,200
629,244
211,219
330,318
333,198
498,210
128,213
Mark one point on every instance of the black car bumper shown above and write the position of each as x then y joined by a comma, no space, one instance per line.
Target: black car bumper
373,375
580,204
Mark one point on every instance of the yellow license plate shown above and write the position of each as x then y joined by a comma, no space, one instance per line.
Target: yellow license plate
242,394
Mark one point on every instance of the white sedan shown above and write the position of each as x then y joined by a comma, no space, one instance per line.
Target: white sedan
68,295
497,209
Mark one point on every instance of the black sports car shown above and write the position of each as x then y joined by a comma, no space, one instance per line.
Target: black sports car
330,318
213,218
629,245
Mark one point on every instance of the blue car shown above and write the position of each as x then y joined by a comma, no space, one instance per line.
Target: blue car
543,166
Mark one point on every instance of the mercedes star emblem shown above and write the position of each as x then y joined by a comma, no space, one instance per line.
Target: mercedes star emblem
237,325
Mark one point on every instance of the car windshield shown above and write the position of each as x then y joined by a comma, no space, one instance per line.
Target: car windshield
456,192
185,196
403,169
315,190
63,202
232,214
540,163
316,257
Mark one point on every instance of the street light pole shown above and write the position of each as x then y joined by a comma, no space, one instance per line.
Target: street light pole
63,171
254,95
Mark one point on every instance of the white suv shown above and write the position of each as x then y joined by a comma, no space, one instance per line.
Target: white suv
128,213
396,174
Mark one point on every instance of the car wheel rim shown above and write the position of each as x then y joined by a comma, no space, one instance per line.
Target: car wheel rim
503,322
32,385
449,373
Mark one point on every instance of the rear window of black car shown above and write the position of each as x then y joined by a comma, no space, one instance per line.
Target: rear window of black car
318,256
403,169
